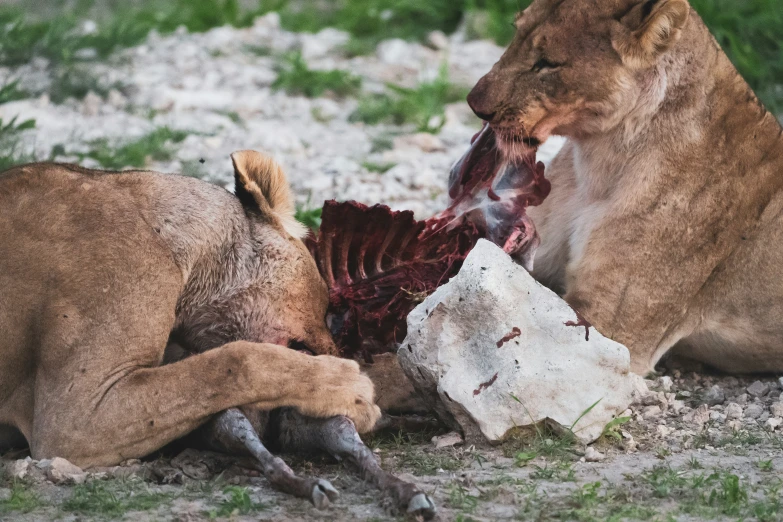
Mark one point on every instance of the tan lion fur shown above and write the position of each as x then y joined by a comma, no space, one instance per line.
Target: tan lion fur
101,270
665,223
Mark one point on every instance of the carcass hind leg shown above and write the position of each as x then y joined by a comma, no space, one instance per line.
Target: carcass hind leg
231,432
338,436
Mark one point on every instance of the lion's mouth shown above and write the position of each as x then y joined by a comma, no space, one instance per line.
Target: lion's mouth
514,143
300,347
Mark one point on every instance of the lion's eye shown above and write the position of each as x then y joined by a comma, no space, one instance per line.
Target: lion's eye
543,64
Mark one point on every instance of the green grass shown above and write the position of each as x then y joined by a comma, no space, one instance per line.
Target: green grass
310,217
157,146
371,20
380,168
238,502
22,500
423,106
461,499
296,78
60,40
11,92
750,33
9,142
112,499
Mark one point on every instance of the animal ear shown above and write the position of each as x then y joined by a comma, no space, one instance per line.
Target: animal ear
649,31
260,184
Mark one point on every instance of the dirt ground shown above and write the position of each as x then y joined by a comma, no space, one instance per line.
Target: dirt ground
696,447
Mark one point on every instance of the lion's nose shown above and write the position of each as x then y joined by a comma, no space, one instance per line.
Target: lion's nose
480,103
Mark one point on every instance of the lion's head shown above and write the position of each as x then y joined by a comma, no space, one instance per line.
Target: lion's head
576,68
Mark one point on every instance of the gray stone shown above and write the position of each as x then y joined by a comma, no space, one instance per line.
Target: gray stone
715,396
448,440
753,411
758,389
490,350
776,409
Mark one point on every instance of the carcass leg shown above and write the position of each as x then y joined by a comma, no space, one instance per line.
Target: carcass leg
231,432
338,436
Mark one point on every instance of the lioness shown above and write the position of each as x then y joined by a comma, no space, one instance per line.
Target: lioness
100,271
665,223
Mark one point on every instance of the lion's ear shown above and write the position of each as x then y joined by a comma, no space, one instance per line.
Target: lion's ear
650,30
260,184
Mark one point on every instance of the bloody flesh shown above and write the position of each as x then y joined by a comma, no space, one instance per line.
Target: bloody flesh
379,264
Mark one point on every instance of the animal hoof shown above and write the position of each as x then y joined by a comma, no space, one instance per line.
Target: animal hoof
323,494
423,506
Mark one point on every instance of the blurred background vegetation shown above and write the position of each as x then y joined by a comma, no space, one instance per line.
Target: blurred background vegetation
751,31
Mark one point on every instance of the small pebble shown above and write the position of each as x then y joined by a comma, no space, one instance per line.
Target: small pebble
733,411
593,455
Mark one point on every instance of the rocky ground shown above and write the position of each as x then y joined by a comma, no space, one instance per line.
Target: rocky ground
695,446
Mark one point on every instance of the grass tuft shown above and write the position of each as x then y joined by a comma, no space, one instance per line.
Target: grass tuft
155,146
296,78
309,217
10,136
22,500
112,500
424,106
238,502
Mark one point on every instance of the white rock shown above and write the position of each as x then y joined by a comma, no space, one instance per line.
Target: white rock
321,44
734,425
491,352
593,455
116,99
446,441
394,52
698,416
776,409
91,104
21,468
650,412
423,141
5,494
733,411
438,40
665,383
773,423
60,471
